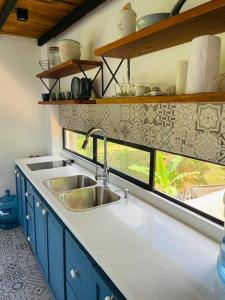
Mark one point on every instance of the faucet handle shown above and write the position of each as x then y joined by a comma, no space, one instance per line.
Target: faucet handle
126,191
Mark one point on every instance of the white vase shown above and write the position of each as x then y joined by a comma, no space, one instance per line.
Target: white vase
126,22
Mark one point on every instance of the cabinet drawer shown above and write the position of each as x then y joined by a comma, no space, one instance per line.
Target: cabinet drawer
30,215
31,235
69,292
29,194
79,271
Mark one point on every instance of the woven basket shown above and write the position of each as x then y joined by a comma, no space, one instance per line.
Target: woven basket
69,49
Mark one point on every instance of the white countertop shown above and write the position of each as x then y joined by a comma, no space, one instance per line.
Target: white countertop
146,253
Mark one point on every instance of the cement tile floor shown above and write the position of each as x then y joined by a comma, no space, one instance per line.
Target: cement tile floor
20,278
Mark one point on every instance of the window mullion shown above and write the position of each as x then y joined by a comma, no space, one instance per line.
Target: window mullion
152,169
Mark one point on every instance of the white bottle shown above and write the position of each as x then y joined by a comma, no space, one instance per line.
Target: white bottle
181,80
126,21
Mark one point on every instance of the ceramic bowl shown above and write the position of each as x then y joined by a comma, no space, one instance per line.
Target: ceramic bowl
149,20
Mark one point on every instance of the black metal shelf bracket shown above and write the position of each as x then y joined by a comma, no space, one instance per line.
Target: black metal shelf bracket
113,74
50,89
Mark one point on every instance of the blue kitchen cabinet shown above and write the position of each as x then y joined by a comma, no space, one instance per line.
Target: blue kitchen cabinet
41,233
21,199
71,273
29,214
50,247
69,293
79,270
105,289
31,234
56,256
18,196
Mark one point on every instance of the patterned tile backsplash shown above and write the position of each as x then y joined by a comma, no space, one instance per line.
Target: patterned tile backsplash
196,130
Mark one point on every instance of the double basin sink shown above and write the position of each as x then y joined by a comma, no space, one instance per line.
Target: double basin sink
80,193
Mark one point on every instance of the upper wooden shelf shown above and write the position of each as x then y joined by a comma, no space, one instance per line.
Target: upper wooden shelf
208,18
69,68
191,98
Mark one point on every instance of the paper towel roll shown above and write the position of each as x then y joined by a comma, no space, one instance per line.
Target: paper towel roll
203,67
181,80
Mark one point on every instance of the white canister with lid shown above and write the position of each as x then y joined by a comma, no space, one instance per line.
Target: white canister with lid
69,49
126,21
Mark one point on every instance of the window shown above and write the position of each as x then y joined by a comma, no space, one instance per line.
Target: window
194,184
198,184
73,142
126,160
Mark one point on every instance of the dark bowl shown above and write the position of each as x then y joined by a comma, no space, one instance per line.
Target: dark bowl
45,96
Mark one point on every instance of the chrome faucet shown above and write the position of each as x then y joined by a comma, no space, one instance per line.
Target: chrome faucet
105,176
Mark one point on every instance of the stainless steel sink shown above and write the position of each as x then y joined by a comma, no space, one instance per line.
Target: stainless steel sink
88,198
63,184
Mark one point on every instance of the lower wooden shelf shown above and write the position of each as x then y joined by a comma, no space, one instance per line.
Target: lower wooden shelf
66,102
190,98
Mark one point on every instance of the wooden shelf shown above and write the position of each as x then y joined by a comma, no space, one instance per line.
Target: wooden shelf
63,102
208,18
193,98
68,68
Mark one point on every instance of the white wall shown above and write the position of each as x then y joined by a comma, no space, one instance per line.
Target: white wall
24,125
100,28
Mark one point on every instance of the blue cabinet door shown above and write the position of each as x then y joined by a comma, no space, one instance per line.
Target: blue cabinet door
69,293
21,199
56,256
41,234
105,289
18,196
79,270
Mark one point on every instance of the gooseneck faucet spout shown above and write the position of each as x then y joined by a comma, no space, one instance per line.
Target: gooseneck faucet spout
105,176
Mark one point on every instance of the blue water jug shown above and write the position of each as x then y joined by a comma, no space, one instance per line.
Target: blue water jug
8,211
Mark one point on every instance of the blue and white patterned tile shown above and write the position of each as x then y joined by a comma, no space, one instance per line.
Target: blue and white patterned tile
196,130
20,278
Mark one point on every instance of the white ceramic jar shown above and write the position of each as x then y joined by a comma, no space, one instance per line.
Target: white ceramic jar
181,79
126,21
69,49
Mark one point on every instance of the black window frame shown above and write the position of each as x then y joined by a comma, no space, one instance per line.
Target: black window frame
140,183
74,152
150,186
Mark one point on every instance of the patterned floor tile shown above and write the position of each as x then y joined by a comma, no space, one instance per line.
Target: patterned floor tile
20,278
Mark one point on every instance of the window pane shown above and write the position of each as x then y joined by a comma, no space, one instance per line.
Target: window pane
74,141
127,160
196,183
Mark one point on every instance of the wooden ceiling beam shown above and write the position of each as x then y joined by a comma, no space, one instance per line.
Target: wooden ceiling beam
72,17
6,10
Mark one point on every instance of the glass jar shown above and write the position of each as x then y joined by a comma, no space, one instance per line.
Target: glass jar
53,56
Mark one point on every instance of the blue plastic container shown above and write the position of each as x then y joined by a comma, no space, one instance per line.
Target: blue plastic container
8,211
221,261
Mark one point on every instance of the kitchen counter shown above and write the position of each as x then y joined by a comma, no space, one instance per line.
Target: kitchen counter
146,253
